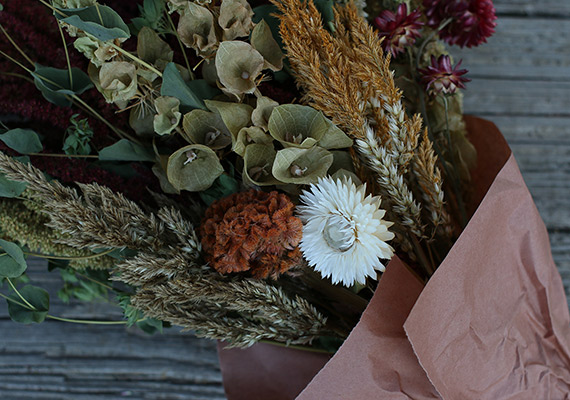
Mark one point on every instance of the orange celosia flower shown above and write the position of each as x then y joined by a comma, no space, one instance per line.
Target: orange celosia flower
252,231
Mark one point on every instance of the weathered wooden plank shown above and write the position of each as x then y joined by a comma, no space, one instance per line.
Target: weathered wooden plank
521,49
69,361
490,97
551,8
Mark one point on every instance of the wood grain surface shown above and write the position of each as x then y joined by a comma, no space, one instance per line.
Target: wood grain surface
520,81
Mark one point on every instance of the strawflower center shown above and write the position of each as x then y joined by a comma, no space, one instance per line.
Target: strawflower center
339,233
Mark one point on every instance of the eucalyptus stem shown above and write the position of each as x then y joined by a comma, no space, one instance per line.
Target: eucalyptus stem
66,56
13,301
50,257
20,295
45,3
429,38
18,63
94,280
16,46
455,178
135,58
87,321
64,155
99,14
192,76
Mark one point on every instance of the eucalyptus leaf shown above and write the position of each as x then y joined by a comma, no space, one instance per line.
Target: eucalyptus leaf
142,121
152,49
263,109
168,115
54,84
12,261
262,40
173,85
99,21
197,29
118,81
268,12
238,65
334,137
193,168
257,165
34,295
234,115
296,125
150,326
235,19
125,150
249,135
207,128
301,166
24,141
11,189
159,170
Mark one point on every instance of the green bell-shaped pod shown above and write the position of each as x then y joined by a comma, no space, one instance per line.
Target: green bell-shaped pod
234,115
301,166
193,168
168,115
295,125
250,135
238,65
263,109
262,40
207,128
257,164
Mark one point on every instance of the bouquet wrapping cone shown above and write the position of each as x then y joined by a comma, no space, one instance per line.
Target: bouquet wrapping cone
492,322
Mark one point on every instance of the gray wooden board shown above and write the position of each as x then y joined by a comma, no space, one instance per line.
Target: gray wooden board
521,81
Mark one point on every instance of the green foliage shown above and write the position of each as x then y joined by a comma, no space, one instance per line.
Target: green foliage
19,311
79,135
134,316
125,150
152,16
266,12
87,285
10,188
24,141
55,84
150,326
222,187
326,8
12,260
131,314
99,21
191,94
193,168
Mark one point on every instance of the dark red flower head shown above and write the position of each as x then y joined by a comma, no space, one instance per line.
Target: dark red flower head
441,77
472,21
398,30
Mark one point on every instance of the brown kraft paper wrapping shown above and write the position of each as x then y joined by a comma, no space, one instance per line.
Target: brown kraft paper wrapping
492,323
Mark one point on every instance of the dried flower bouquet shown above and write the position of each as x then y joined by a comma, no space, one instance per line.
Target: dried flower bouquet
195,183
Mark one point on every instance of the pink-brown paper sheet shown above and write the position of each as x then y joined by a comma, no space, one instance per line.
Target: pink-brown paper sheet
492,322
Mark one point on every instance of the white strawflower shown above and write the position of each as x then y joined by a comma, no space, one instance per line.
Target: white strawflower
344,235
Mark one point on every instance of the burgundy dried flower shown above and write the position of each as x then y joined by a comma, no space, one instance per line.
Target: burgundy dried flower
252,231
441,77
398,30
472,21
